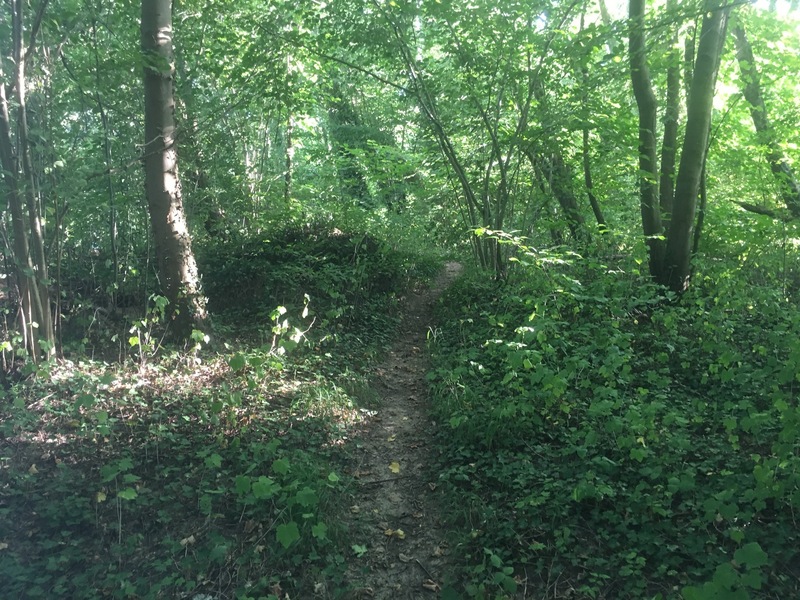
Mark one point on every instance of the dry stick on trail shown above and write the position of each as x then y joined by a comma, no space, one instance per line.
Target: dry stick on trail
393,517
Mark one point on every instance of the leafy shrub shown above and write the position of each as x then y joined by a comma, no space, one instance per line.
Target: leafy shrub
604,436
209,474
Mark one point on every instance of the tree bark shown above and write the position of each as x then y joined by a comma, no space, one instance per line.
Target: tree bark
560,180
587,179
587,162
751,89
669,145
35,317
112,210
676,270
289,166
648,151
176,263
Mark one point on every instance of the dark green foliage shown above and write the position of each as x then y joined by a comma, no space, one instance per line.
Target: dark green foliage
603,438
149,498
343,273
191,473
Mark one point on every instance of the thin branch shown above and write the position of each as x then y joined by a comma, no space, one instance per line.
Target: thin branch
760,210
37,23
336,59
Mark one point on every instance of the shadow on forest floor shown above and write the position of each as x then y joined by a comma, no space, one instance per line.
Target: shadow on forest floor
222,476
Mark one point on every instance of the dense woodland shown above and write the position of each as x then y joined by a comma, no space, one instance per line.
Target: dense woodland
213,211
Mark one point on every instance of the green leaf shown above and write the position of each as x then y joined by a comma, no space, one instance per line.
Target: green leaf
127,494
496,561
753,580
86,400
265,488
242,484
692,592
287,534
752,555
726,576
449,593
205,504
215,460
320,531
218,553
237,362
359,550
281,466
307,497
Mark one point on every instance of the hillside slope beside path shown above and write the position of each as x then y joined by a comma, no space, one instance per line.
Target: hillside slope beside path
398,548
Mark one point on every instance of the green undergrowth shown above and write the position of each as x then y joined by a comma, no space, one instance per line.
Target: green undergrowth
205,473
603,439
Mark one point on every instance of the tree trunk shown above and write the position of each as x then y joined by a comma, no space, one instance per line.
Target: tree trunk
287,175
587,163
751,88
176,264
35,318
676,271
648,151
669,145
24,272
112,209
701,213
587,179
560,181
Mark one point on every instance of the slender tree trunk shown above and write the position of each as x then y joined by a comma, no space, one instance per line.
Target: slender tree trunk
42,280
670,142
558,174
560,181
287,176
35,317
587,179
676,271
751,88
556,233
648,151
587,162
604,16
23,267
701,213
112,210
176,263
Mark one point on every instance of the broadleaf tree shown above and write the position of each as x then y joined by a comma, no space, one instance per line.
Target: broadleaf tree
176,262
27,247
670,249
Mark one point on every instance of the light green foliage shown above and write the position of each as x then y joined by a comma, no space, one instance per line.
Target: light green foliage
736,146
144,332
600,432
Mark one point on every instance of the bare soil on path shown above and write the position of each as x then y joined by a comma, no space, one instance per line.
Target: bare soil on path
398,548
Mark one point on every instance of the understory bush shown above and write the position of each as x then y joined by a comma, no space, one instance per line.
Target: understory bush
605,439
214,472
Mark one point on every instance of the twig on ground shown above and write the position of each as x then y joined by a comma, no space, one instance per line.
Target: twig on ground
428,573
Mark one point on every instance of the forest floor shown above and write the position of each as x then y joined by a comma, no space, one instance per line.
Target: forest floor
393,505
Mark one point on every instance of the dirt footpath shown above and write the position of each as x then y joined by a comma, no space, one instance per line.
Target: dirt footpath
397,547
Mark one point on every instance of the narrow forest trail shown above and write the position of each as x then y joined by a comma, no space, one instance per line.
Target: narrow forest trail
393,520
